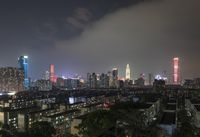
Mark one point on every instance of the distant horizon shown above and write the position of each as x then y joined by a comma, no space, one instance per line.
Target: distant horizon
121,73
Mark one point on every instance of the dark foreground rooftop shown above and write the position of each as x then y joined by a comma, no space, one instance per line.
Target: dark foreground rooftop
168,118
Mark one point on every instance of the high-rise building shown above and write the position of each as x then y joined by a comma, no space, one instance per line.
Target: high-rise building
140,81
128,72
104,81
23,65
60,82
94,81
52,74
110,78
176,71
75,83
115,78
89,80
43,85
150,79
46,75
11,79
115,74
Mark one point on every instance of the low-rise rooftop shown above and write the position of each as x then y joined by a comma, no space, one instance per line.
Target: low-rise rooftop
168,118
64,113
197,107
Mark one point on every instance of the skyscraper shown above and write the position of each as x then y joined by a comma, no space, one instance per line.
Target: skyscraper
52,74
128,72
23,65
110,78
115,78
176,71
47,75
89,80
115,73
94,81
150,79
104,81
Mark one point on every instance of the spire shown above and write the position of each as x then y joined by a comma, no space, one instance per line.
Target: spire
128,72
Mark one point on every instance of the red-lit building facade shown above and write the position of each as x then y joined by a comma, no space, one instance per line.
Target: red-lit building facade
176,71
52,74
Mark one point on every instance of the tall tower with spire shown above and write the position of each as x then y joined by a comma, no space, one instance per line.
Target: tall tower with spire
128,72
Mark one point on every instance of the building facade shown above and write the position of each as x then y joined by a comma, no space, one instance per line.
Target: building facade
128,72
23,65
11,79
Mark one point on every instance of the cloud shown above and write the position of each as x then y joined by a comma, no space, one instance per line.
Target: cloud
147,36
80,18
83,14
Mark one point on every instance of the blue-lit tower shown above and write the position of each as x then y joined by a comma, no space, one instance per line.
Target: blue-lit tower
23,64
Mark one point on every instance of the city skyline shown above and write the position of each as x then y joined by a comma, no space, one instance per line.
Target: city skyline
80,37
173,77
99,68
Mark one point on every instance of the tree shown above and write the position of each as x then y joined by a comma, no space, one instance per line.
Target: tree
41,129
1,125
186,128
130,120
96,123
4,133
69,135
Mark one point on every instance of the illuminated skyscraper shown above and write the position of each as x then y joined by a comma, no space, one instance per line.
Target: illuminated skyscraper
176,71
46,75
52,74
23,65
128,72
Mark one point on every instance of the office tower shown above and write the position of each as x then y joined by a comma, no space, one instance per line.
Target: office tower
115,78
150,79
176,71
23,65
110,78
104,81
89,80
121,84
128,72
11,79
43,85
115,73
75,82
47,75
72,83
60,83
140,82
68,83
94,81
52,74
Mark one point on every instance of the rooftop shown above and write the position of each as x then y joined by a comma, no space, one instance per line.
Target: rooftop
197,107
40,111
170,107
195,101
63,113
92,105
168,118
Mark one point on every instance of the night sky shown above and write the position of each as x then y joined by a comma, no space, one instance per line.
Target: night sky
81,36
